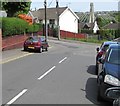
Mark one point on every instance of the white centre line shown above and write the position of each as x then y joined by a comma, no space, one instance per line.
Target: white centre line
63,60
16,97
46,73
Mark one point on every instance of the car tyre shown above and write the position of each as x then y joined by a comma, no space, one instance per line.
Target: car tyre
96,69
25,48
40,50
46,49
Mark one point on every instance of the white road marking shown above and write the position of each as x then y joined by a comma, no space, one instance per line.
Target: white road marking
63,60
46,73
16,97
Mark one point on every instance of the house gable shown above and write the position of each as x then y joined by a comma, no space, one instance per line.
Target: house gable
68,9
68,21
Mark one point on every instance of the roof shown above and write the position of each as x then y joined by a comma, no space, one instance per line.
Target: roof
117,39
81,25
51,13
115,46
89,25
109,42
112,26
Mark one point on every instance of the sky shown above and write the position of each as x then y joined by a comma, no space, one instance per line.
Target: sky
79,5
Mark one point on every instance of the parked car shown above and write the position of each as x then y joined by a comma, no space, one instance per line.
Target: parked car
114,94
36,43
110,72
101,51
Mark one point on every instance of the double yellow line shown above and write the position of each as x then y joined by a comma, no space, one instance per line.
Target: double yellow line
14,58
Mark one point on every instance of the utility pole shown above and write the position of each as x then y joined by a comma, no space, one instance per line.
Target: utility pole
45,5
58,27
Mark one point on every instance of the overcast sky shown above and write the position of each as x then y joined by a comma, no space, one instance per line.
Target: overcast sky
79,5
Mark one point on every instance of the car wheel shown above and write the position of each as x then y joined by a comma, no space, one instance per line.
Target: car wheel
99,98
25,48
96,69
40,50
46,49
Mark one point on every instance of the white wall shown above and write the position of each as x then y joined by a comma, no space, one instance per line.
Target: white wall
68,22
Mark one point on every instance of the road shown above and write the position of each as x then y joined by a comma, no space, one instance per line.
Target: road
63,75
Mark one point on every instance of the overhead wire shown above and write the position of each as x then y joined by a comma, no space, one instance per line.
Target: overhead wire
50,3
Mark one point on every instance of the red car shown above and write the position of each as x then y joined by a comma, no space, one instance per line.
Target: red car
36,43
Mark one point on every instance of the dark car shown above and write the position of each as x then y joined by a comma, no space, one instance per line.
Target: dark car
101,51
36,43
114,94
110,72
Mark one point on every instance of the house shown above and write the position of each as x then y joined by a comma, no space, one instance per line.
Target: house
68,20
89,26
113,26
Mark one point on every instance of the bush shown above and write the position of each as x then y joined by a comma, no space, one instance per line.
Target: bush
109,34
13,26
87,31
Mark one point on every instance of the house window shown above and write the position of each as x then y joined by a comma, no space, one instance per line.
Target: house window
40,20
52,21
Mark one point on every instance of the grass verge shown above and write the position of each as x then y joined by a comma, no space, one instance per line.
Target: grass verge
90,40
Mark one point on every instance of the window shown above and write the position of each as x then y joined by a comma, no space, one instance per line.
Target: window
52,21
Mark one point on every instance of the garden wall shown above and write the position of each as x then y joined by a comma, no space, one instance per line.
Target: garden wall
13,42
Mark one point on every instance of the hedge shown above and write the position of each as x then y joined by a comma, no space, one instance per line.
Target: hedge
109,34
13,26
87,31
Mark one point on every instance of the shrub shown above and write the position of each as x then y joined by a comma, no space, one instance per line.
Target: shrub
87,31
109,34
13,26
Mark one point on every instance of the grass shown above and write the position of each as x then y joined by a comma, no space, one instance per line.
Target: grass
90,40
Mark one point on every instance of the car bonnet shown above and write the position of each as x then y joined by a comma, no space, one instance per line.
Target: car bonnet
112,69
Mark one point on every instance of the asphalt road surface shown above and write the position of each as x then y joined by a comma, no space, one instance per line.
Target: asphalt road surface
63,75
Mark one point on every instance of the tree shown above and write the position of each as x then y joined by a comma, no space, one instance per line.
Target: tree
14,8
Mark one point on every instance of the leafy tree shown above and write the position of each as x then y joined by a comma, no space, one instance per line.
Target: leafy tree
102,21
14,8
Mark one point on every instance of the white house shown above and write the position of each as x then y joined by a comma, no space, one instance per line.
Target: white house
68,20
95,28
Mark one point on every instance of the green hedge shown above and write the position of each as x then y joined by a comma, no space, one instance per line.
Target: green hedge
13,26
87,31
109,34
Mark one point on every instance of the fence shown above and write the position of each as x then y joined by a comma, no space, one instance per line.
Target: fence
66,34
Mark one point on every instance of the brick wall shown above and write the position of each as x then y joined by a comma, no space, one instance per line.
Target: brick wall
13,42
66,34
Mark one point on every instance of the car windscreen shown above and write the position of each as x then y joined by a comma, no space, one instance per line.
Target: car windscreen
105,47
35,39
114,56
42,39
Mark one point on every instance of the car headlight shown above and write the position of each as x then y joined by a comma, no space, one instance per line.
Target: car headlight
111,80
